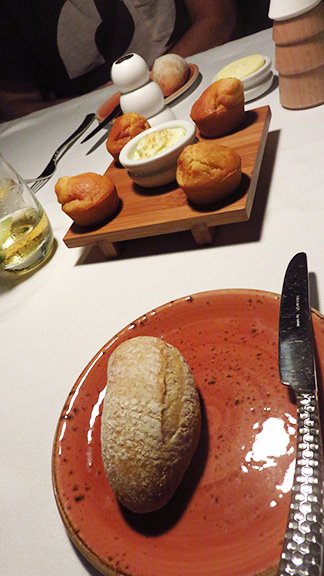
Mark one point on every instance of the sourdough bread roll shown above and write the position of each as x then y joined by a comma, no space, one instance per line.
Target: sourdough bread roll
150,422
171,72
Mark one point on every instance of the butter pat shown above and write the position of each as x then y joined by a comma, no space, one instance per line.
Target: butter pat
157,142
253,70
242,68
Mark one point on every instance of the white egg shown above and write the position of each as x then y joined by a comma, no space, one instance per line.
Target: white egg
130,72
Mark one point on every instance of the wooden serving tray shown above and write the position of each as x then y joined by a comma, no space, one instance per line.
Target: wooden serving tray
150,212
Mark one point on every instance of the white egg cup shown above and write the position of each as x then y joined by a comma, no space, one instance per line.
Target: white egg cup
147,100
130,72
139,94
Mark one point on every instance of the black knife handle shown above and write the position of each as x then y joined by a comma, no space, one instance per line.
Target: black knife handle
303,544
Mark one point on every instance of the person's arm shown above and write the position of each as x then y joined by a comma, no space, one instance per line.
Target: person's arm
19,99
213,23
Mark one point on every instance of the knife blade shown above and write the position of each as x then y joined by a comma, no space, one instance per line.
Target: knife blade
303,542
117,111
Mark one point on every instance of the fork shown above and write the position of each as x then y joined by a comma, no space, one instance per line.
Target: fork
59,152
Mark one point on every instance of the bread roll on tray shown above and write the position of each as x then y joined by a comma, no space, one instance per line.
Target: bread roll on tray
123,130
220,108
208,172
87,198
150,423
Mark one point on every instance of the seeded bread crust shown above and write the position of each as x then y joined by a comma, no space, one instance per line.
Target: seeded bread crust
150,422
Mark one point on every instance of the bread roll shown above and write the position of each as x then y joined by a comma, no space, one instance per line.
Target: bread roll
150,422
220,108
123,130
208,172
87,198
170,72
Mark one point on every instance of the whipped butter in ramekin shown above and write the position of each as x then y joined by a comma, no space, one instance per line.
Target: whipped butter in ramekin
253,70
151,157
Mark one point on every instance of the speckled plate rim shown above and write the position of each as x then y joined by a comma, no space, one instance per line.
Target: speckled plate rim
86,552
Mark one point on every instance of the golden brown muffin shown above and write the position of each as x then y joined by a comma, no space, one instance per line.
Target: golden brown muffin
124,129
220,108
170,72
87,198
208,172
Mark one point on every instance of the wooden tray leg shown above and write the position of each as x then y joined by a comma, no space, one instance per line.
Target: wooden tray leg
203,235
109,249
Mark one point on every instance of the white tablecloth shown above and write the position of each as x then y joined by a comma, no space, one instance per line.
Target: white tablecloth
53,322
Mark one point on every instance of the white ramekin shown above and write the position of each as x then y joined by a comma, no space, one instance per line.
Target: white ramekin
160,169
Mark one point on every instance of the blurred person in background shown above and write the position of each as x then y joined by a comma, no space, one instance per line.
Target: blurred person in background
252,16
52,50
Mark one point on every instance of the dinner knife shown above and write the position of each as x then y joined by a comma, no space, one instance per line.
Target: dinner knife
117,111
303,542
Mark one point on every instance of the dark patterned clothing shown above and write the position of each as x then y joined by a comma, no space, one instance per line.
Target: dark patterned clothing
67,47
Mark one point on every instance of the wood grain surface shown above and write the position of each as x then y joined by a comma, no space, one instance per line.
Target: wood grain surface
150,212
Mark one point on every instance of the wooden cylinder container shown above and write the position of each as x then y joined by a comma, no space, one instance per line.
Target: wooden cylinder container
299,59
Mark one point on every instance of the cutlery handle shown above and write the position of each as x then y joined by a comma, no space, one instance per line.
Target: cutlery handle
60,151
117,111
302,548
74,136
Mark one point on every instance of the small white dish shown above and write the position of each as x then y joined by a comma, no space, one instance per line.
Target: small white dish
257,91
259,76
160,168
284,9
255,83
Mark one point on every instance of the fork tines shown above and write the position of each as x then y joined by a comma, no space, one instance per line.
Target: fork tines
38,184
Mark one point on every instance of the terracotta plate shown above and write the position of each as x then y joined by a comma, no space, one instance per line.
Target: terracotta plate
229,514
